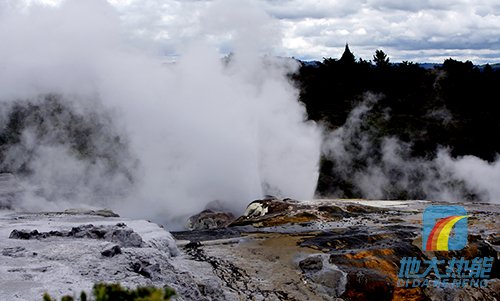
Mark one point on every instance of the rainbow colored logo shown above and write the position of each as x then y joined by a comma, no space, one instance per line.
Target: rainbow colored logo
445,228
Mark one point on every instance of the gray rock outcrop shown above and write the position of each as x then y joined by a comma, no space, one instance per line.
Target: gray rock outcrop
63,254
325,278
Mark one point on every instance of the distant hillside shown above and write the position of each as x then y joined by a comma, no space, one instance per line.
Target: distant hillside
422,65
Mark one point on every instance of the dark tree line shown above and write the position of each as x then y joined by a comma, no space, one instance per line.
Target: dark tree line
455,105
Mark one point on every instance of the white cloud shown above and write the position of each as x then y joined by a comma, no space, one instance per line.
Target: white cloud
426,30
313,9
421,31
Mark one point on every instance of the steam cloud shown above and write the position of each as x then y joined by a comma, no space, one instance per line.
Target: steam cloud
381,167
161,140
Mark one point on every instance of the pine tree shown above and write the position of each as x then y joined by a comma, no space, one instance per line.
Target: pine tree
347,56
381,59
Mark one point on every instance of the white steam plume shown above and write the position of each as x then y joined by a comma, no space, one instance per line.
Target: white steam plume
198,130
383,168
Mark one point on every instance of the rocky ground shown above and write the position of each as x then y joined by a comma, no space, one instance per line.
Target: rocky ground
334,249
277,250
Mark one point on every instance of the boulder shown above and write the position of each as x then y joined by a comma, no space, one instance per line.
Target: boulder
209,219
110,252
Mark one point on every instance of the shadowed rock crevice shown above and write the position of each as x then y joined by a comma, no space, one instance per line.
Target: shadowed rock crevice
235,278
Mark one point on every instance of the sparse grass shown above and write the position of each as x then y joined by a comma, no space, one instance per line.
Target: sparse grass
115,292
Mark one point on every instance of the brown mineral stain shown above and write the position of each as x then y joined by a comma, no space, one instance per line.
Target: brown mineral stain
384,261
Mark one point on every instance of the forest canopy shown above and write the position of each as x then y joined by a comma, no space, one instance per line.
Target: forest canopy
453,106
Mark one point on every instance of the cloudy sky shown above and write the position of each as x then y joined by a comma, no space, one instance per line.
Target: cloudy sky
420,31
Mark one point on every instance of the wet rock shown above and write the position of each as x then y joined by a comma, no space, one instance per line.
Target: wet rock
205,235
111,252
209,219
371,258
312,263
326,278
364,238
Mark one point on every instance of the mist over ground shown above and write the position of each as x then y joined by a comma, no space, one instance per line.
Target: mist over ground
89,120
368,164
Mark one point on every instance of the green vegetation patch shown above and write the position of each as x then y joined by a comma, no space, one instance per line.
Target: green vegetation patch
115,292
